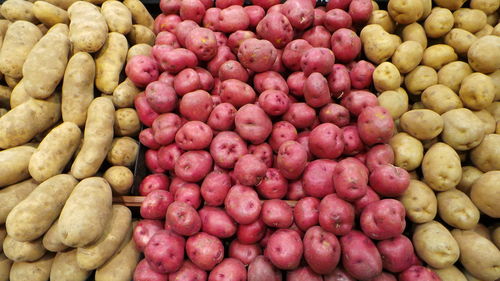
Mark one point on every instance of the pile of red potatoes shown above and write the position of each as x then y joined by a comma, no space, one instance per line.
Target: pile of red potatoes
268,152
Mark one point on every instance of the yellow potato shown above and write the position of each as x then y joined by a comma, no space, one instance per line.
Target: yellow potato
420,78
5,265
382,18
11,196
477,91
486,156
450,4
141,34
495,78
23,251
120,178
18,95
121,266
98,136
439,22
487,30
140,14
33,216
496,236
427,4
471,20
489,123
127,122
4,25
415,32
386,77
65,268
440,99
450,273
405,12
485,193
408,56
395,102
422,124
86,214
436,56
452,74
34,271
124,94
457,210
14,164
435,245
49,14
118,16
492,19
378,44
408,151
460,40
484,54
110,61
123,152
15,10
88,29
375,5
462,129
51,240
441,167
478,255
420,202
482,230
139,49
15,48
3,234
469,175
494,109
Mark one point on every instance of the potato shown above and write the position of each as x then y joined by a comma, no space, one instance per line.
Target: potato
3,234
127,122
415,32
51,240
485,193
496,235
440,99
422,124
23,251
5,93
117,16
460,40
494,109
65,268
471,20
420,78
4,25
386,77
88,29
477,91
441,167
139,49
86,214
49,14
485,156
12,195
11,81
452,74
450,4
378,44
98,137
14,164
141,35
487,30
140,14
15,10
439,22
435,245
36,271
420,202
427,5
123,152
495,76
78,88
110,61
15,48
462,129
124,94
383,19
407,56
469,175
492,19
59,145
436,56
478,255
450,273
457,210
121,266
484,54
408,151
405,12
5,266
395,102
120,179
489,123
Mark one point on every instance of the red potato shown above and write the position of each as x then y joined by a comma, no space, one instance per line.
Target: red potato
222,117
292,159
253,124
237,93
360,11
193,166
161,97
303,274
351,179
204,250
236,38
361,157
155,204
325,141
166,78
306,213
316,91
338,275
229,270
211,18
217,222
221,39
375,125
397,253
277,213
318,36
242,204
269,231
196,105
295,82
165,127
232,69
168,155
194,135
274,102
336,215
317,60
222,4
151,161
270,80
186,81
251,233
360,257
338,4
293,53
143,232
215,187
223,54
336,19
384,276
170,6
273,185
353,143
282,131
202,42
383,219
188,272
249,170
233,18
319,16
275,28
389,180
165,251
206,80
226,148
183,219
190,194
144,272
300,115
168,22
207,3
266,4
261,269
246,253
418,272
255,15
356,101
334,113
346,45
369,197
177,59
264,152
167,38
192,10
361,74
257,55
183,29
321,250
303,139
146,114
379,155
317,178
158,52
284,249
146,137
176,184
153,182
142,70
299,13
339,81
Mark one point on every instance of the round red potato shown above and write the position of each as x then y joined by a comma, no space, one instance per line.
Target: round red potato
379,155
192,10
316,91
194,135
146,137
336,19
196,105
222,4
229,270
165,251
284,249
183,219
293,52
334,113
317,60
168,155
375,125
255,14
176,184
222,117
397,253
232,69
249,170
389,180
384,276
183,29
274,102
201,41
295,82
252,123
282,131
251,233
146,114
151,161
277,213
236,38
215,187
204,250
233,18
273,185
237,93
193,166
370,197
211,18
303,274
244,252
161,97
217,222
338,4
264,152
351,179
144,272
317,179
257,55
360,11
189,193
418,272
167,78
178,59
306,213
318,36
165,128
339,81
142,70
292,159
300,115
242,204
356,101
261,269
360,257
153,182
336,215
325,141
275,28
223,54
143,232
226,148
186,81
188,272
155,204
299,13
383,219
346,45
167,38
361,74
321,250
338,275
353,143
170,6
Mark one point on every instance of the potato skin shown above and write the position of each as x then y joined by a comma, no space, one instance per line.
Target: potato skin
140,14
49,14
11,196
450,273
58,146
123,152
436,56
386,77
405,12
478,255
127,122
110,61
377,43
88,29
485,193
415,32
408,151
65,268
407,56
5,266
124,94
121,266
35,271
477,91
441,167
86,213
15,48
23,251
120,179
51,240
78,88
98,137
118,16
396,102
457,210
471,20
141,35
435,245
460,40
452,74
14,164
486,156
422,124
438,23
440,99
420,78
420,202
462,129
15,10
469,175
